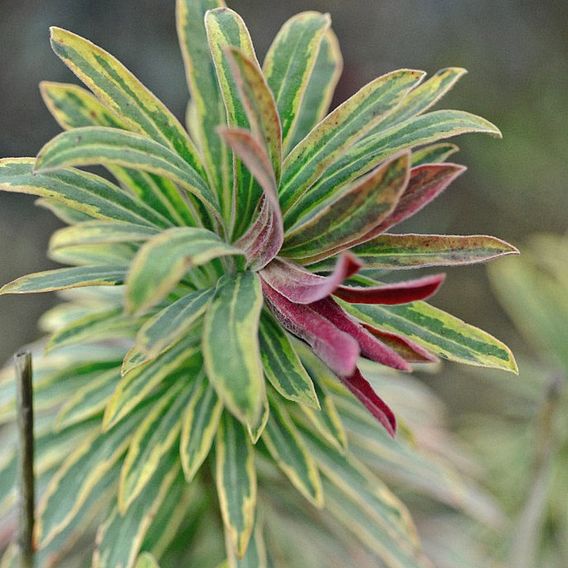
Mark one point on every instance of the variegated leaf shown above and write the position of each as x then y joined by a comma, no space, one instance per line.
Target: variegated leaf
433,153
290,453
98,145
351,215
198,426
63,278
230,345
331,138
321,86
80,191
236,482
282,366
289,63
439,332
163,261
207,105
74,107
119,90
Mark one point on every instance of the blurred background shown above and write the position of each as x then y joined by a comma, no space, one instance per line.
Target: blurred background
516,54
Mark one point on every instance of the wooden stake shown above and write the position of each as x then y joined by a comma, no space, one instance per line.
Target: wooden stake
24,400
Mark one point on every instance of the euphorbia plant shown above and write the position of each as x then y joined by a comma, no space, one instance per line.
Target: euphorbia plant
243,253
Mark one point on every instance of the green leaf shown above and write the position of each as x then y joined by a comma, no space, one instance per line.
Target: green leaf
207,105
433,153
290,453
255,556
321,86
74,107
120,254
168,326
121,92
151,442
198,426
225,28
230,345
62,212
282,366
79,476
370,151
256,428
360,491
182,360
146,560
63,278
289,62
80,191
332,138
439,332
351,215
98,145
101,232
120,537
88,400
394,252
259,105
236,482
163,261
422,97
326,421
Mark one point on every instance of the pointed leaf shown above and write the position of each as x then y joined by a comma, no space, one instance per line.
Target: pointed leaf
182,361
205,96
282,365
230,345
303,287
388,252
321,86
371,347
392,294
289,63
150,444
370,151
261,251
163,261
338,131
118,89
439,332
80,191
256,428
259,105
236,482
225,28
365,393
97,232
74,107
289,452
63,278
433,153
353,214
98,145
168,326
198,426
120,537
338,349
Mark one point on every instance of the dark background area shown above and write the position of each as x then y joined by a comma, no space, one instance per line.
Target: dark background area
515,52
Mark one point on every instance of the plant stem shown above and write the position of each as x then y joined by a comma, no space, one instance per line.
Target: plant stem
24,399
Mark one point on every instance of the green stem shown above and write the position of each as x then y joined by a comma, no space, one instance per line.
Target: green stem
24,399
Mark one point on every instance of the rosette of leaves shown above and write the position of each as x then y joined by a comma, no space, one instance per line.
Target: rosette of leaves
242,254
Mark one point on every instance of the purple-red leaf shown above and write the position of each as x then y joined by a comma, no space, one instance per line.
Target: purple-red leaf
303,287
409,350
336,348
264,239
371,348
392,294
425,184
364,392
